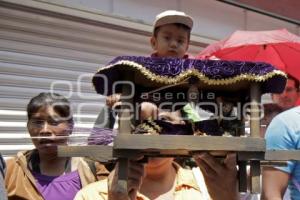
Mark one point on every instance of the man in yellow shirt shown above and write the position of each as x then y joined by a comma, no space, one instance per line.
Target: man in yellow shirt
162,178
184,187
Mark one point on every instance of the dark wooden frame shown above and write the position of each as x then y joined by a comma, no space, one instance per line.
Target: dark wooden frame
250,150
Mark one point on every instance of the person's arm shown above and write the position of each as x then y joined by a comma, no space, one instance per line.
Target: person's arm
279,135
274,183
113,100
220,178
135,177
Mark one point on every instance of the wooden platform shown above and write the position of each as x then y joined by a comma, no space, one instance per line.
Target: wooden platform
127,146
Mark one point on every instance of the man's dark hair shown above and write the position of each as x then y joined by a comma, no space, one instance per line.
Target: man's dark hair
296,81
179,25
270,108
60,105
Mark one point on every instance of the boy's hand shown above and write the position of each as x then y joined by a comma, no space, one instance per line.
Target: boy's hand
113,99
220,177
136,174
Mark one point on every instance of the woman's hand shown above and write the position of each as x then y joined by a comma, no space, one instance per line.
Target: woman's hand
220,177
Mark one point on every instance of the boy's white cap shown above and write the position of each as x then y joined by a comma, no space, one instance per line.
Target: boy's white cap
171,17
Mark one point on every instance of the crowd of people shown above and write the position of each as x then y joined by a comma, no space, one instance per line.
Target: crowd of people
41,174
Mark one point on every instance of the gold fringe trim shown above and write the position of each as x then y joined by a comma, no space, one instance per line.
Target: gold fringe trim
193,72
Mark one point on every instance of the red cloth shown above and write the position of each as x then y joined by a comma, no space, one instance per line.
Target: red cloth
278,47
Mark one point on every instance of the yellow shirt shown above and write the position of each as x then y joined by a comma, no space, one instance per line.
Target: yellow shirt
186,188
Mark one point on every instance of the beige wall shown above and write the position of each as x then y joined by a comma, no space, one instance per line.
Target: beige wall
287,8
213,19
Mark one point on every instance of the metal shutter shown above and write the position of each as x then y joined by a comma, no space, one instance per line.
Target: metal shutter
39,49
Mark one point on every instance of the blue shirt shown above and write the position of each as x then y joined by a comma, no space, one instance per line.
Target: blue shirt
284,133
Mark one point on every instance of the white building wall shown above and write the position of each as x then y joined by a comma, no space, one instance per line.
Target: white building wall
213,19
48,47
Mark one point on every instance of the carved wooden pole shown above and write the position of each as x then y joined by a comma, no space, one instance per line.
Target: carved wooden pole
255,95
125,121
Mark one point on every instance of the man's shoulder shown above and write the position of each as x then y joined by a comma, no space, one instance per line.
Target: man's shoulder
289,116
99,186
291,111
93,191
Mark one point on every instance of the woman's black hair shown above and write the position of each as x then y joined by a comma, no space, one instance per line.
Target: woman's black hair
59,103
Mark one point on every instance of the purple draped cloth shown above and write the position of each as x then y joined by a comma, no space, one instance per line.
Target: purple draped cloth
231,79
157,72
101,136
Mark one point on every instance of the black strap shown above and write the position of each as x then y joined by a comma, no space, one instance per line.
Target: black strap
34,160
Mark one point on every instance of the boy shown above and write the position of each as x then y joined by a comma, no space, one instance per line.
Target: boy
171,34
170,38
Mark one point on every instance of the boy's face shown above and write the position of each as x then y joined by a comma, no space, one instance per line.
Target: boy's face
171,41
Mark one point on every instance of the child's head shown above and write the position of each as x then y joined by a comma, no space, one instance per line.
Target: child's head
171,34
50,121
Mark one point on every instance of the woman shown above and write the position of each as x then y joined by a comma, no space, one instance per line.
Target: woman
40,174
